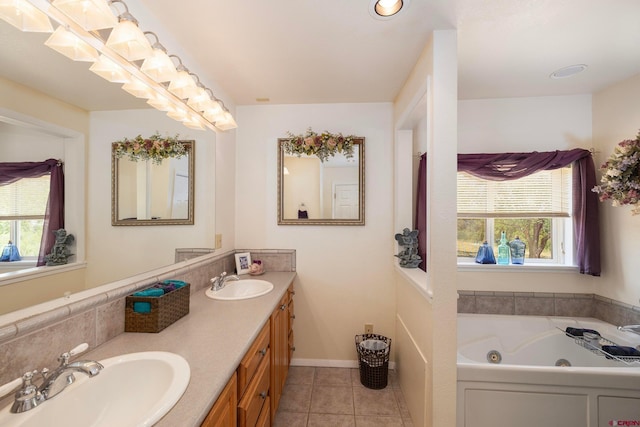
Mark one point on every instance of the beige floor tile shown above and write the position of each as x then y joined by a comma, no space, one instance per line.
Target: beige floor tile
373,421
300,375
290,419
331,420
332,400
375,402
333,376
295,398
402,404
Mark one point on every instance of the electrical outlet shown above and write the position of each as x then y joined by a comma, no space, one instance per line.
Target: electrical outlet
218,241
368,328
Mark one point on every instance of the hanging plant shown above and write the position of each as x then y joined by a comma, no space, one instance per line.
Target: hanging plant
323,146
155,148
620,180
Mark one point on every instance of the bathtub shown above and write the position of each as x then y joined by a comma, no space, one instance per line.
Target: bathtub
507,374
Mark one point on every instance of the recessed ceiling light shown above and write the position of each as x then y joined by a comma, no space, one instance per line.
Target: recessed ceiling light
386,9
569,71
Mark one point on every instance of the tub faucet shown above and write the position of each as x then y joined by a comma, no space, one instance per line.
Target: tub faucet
630,328
220,281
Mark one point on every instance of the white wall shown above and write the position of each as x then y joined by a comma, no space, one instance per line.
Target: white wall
616,117
524,125
344,273
117,252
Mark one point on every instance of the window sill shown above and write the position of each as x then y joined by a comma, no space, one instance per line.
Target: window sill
29,273
525,268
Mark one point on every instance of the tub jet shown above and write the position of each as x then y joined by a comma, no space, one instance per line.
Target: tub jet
563,362
494,356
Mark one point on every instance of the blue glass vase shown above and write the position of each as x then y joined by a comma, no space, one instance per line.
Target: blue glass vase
503,250
517,247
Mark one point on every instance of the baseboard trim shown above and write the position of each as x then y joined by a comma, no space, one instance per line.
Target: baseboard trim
331,363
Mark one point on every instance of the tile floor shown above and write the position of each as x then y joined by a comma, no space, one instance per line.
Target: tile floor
334,397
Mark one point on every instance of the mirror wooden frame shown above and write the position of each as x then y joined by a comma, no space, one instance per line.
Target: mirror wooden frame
359,144
115,221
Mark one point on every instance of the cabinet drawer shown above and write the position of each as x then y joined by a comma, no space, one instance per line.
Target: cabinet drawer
255,396
251,361
264,420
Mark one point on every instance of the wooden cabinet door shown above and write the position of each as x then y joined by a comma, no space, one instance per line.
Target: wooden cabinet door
223,413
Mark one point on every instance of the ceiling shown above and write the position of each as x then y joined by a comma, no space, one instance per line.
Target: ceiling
334,51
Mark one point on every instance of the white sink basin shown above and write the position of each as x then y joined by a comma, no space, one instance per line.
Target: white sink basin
135,389
241,289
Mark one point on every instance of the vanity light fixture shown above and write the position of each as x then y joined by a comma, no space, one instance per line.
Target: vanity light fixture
125,56
71,46
158,65
24,16
109,70
89,14
127,38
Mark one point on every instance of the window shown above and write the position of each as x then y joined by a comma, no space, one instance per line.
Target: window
536,208
22,209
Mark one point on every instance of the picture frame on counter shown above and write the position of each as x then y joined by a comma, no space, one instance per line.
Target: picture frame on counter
243,262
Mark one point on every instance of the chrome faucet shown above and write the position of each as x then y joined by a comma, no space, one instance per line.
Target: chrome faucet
28,396
630,328
220,281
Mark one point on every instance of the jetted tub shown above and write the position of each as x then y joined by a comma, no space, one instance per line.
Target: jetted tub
507,374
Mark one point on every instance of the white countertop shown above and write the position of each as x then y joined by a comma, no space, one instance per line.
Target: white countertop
213,338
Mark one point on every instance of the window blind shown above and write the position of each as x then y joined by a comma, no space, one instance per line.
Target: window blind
24,199
543,194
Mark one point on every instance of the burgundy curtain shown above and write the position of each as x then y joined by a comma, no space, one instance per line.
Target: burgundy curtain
421,212
54,215
506,166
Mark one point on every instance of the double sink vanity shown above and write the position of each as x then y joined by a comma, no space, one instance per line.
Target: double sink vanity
230,355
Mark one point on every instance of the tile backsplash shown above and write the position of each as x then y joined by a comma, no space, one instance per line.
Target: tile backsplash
97,315
548,304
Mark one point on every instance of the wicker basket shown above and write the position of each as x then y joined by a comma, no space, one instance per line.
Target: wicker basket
165,310
374,363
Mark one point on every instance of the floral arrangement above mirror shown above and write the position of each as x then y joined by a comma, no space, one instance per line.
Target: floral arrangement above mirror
155,148
324,145
620,180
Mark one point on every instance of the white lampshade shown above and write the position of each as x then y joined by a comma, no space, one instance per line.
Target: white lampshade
199,100
160,102
24,16
213,111
179,114
90,14
183,86
193,123
159,66
109,70
138,89
227,122
71,46
128,40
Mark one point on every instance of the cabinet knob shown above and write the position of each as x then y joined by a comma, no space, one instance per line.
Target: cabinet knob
293,316
283,306
293,348
263,395
263,351
293,292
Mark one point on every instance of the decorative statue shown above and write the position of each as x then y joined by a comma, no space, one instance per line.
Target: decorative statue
60,252
409,257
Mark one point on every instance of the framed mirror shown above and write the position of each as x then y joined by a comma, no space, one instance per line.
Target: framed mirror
313,192
146,193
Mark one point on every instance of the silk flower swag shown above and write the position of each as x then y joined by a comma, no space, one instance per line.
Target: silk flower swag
155,148
620,180
323,146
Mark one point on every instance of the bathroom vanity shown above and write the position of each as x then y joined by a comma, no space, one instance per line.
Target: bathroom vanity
238,351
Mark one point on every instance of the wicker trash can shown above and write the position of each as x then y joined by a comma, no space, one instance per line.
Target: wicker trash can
373,357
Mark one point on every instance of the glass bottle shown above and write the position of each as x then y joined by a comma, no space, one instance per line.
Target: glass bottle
503,250
517,247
